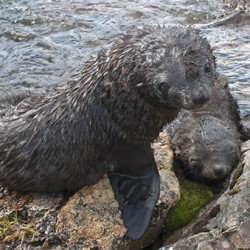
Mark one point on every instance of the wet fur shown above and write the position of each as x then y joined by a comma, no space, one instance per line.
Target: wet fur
68,137
207,140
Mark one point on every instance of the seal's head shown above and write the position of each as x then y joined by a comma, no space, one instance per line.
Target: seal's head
174,68
208,148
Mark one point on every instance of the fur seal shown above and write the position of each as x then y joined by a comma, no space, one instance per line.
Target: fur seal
104,119
207,140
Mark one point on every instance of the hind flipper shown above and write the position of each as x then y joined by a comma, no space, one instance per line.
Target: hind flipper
136,184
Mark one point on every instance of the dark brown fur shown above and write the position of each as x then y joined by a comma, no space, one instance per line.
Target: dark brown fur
68,137
207,140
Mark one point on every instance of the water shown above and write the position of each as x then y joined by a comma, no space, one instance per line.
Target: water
43,41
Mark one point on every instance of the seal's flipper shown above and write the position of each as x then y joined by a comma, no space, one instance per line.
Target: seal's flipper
136,184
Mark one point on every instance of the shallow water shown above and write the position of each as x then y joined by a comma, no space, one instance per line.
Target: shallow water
42,41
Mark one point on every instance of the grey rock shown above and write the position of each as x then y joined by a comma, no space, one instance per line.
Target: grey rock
226,221
243,5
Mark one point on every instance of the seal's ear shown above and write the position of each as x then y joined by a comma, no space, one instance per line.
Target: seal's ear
136,185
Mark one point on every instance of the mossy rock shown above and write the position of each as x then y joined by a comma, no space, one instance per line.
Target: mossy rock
194,196
12,228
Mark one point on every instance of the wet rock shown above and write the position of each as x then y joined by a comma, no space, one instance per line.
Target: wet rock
193,197
91,218
225,222
234,13
236,18
243,5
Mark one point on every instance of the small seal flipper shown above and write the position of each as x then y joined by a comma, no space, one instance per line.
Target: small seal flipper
136,185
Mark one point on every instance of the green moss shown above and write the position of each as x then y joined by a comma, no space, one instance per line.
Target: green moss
194,196
11,229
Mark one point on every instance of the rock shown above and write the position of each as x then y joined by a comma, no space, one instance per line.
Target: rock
236,13
27,219
91,218
225,222
243,5
193,197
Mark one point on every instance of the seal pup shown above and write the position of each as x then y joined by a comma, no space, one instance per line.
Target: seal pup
207,140
105,118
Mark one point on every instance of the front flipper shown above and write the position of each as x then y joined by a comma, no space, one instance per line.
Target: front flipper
136,184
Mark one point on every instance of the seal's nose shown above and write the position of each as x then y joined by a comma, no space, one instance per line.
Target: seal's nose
199,97
219,170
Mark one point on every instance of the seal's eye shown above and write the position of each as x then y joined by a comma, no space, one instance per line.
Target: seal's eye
207,68
164,87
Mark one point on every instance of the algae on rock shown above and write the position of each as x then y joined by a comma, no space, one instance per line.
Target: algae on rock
194,196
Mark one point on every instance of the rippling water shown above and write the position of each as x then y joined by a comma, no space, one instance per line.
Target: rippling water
41,41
